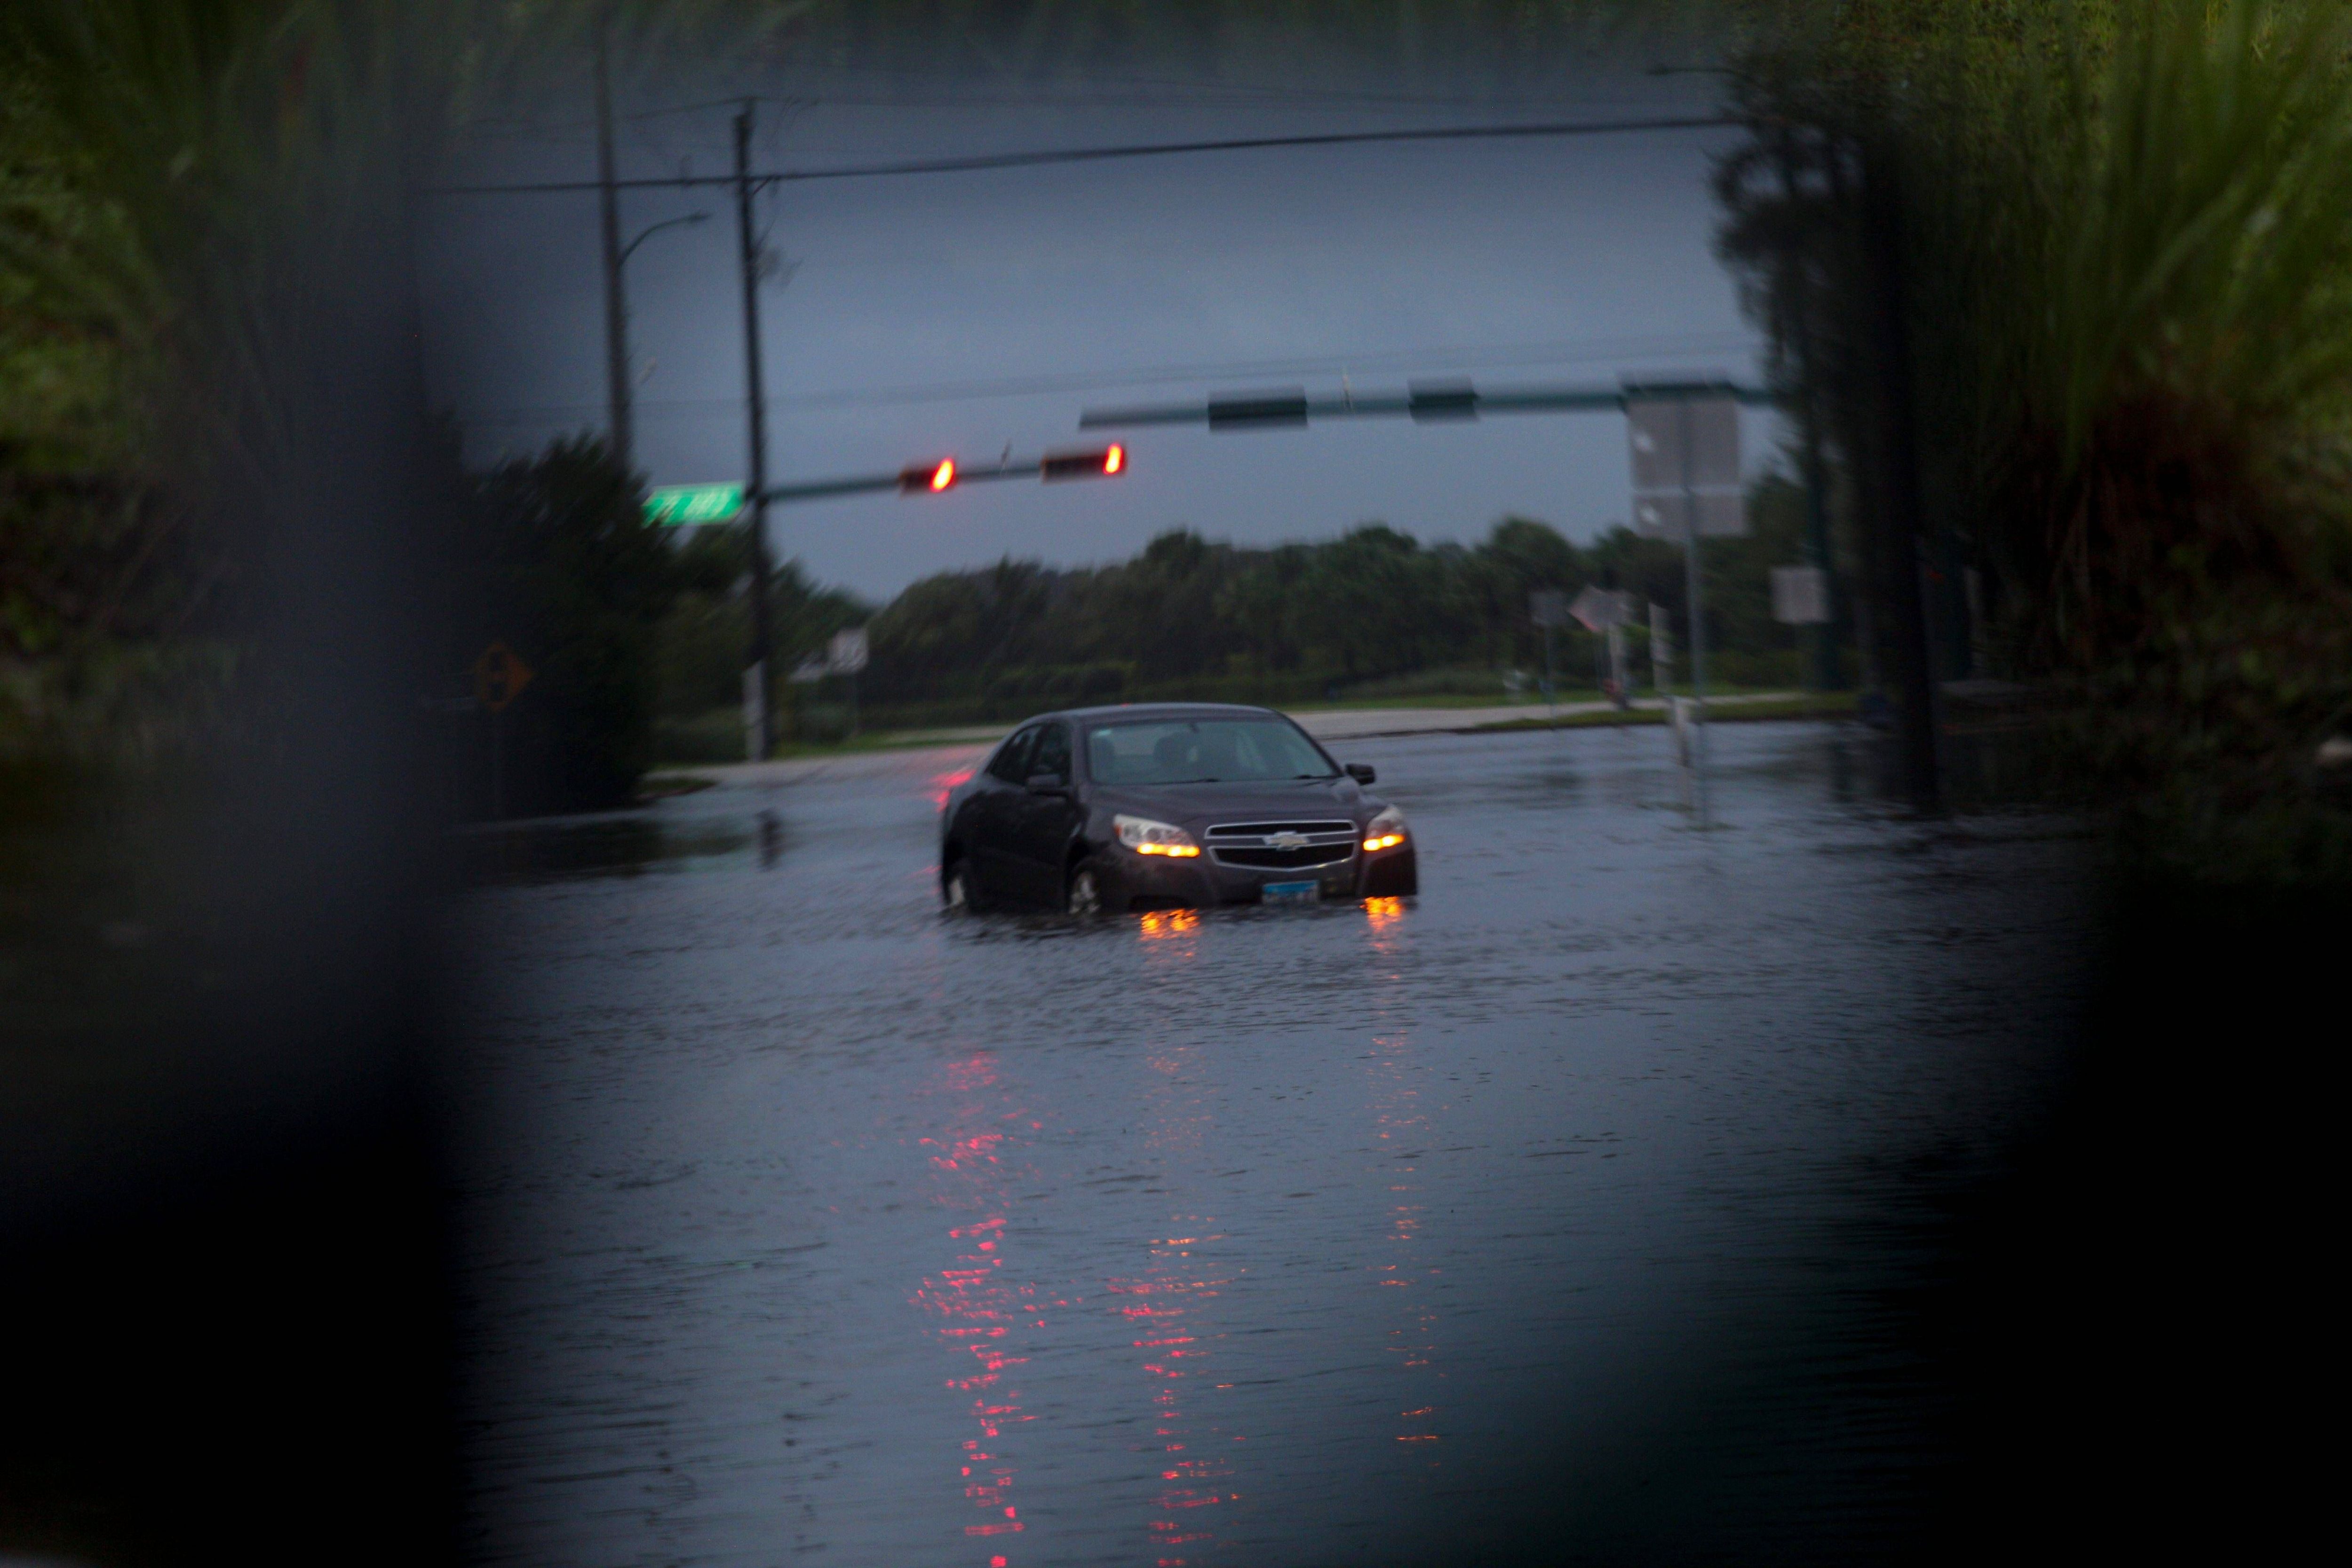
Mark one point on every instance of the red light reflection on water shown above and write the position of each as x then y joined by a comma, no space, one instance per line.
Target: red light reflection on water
1194,1475
981,1311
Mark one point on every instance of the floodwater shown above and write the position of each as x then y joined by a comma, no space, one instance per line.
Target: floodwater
1581,1209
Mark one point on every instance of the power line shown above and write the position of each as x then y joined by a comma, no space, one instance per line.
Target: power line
1588,352
1105,154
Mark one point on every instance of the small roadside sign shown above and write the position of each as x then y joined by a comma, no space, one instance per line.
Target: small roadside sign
1722,514
1599,608
1685,463
847,654
500,676
1679,441
1801,596
1548,607
687,505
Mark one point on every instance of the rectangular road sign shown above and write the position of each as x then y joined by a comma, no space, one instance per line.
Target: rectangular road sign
1801,596
1598,608
1679,441
1722,514
847,654
685,506
1548,607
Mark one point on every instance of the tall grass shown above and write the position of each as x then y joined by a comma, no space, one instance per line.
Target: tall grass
2162,293
2126,275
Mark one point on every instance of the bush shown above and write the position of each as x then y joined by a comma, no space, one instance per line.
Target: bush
565,570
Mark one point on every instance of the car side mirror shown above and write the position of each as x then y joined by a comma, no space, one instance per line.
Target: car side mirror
1362,773
1048,783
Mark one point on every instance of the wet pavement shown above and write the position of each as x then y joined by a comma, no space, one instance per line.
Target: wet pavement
1578,1210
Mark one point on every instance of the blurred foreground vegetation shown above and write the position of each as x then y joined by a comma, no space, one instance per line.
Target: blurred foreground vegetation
2067,290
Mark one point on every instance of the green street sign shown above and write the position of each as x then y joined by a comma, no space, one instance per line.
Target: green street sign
683,506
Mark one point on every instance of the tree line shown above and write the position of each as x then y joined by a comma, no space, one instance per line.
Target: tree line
1373,612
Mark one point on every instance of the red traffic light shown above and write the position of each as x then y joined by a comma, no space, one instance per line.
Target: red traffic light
938,476
1098,463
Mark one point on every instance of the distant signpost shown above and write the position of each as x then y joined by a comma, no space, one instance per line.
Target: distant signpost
1607,610
500,676
1685,447
1597,609
847,654
688,506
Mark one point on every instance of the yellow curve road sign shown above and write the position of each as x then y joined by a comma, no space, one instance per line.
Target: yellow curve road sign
500,676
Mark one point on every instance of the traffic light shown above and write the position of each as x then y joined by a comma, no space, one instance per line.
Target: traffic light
1099,463
934,476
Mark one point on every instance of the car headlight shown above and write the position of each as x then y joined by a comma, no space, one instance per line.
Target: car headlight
1146,837
1385,831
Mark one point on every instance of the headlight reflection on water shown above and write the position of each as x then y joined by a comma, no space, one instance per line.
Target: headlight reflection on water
1160,924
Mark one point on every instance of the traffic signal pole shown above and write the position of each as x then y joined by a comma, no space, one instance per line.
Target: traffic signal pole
1445,402
1692,574
757,737
616,309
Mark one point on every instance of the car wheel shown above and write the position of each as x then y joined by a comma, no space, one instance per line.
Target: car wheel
957,892
1084,897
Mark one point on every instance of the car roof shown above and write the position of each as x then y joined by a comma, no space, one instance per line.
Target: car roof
1145,710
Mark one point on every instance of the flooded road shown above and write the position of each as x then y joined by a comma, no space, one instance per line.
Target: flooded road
1578,1210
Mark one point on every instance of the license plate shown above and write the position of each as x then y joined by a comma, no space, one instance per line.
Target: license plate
1290,892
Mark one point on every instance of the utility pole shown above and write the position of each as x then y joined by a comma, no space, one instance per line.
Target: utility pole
1905,558
1691,575
756,736
1821,639
616,309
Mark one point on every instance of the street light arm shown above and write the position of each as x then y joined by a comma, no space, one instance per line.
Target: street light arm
630,250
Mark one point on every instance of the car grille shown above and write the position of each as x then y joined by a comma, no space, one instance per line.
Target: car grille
1281,845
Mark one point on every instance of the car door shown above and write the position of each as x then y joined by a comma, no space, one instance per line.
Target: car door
988,824
1041,824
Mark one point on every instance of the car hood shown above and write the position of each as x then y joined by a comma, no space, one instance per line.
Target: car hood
1189,805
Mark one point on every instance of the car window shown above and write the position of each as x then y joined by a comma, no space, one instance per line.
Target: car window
1195,751
1012,763
1053,752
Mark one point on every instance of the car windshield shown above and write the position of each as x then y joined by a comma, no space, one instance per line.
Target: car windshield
1201,751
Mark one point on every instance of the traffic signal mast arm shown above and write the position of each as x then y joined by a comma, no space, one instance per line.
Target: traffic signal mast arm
926,478
1424,402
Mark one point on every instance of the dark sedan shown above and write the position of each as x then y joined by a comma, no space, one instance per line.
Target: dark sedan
1167,806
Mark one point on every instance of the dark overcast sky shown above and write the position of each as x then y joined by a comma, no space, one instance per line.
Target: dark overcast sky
916,308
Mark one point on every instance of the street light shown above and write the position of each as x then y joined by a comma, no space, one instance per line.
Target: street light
629,249
623,416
